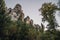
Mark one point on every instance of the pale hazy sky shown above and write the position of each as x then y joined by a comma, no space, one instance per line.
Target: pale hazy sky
30,7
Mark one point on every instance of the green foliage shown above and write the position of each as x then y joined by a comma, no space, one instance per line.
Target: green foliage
48,12
18,30
4,20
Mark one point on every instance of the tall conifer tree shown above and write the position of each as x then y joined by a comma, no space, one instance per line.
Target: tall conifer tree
4,20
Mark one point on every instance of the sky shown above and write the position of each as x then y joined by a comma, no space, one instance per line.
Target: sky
30,8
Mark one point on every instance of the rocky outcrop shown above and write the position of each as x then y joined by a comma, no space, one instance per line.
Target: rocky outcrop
17,14
31,22
27,20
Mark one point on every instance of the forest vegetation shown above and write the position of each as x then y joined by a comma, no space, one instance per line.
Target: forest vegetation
13,25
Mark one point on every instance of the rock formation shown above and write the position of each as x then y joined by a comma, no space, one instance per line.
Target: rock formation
27,20
17,14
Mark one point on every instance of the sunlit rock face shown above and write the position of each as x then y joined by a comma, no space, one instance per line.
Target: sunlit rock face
31,22
17,8
27,20
21,17
16,13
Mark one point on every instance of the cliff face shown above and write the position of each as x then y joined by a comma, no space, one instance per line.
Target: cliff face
16,13
27,20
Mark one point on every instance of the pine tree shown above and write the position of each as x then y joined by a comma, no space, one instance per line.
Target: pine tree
4,20
48,12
